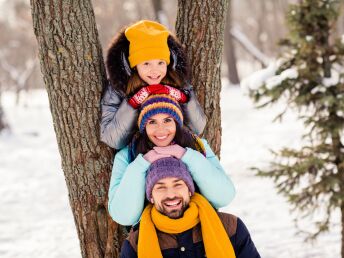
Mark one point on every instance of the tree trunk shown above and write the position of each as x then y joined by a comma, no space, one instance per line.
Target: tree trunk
3,125
342,211
157,6
230,51
337,148
261,25
200,27
73,71
2,115
160,14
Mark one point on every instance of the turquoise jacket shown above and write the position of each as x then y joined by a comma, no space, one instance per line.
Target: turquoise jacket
127,185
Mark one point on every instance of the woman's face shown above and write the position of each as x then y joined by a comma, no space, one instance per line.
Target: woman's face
152,71
161,129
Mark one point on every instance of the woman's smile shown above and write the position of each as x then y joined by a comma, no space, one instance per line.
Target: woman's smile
161,129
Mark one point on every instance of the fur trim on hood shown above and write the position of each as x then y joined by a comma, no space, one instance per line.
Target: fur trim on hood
117,64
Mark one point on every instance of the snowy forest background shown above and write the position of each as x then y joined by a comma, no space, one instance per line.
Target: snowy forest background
35,218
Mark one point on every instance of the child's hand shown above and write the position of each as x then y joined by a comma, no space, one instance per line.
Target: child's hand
174,150
152,156
158,89
139,97
177,94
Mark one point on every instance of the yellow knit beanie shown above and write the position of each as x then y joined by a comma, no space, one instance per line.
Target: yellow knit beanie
148,40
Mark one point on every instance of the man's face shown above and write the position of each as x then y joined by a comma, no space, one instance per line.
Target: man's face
171,197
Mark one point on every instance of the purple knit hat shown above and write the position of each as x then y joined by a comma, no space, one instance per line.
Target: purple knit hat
167,167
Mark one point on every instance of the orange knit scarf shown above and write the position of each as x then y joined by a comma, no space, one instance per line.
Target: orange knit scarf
215,238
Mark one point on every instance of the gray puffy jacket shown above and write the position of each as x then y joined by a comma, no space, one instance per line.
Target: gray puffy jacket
119,119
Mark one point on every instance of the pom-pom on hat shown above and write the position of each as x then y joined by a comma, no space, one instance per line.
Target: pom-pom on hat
159,104
167,167
148,40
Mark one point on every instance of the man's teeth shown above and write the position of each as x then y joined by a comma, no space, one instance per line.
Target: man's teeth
174,203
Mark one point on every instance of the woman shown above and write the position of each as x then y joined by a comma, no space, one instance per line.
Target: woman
162,134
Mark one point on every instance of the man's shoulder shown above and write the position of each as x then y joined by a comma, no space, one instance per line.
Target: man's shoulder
133,236
166,240
229,221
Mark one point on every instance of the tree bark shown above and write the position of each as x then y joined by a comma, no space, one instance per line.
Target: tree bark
200,27
337,148
157,6
261,25
2,115
230,51
3,124
73,71
342,244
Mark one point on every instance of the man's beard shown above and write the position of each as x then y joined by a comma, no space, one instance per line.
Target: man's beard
173,213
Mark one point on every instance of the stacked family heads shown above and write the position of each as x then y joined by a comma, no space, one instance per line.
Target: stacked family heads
148,66
145,59
157,122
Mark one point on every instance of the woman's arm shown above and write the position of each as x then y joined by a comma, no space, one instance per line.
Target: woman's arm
209,175
127,188
118,119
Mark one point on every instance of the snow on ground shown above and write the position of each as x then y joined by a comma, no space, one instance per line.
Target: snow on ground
36,220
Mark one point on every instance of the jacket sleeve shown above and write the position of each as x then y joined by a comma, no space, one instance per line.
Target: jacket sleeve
118,119
242,242
194,116
209,176
127,188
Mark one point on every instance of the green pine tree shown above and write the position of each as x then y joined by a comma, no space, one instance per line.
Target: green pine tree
311,177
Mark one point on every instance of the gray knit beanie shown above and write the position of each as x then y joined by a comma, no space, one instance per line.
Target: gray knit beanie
167,167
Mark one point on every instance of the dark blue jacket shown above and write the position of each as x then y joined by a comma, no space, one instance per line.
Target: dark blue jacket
189,244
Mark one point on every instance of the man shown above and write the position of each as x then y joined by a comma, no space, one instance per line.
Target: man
182,223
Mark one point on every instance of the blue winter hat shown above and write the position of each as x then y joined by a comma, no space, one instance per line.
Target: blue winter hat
159,104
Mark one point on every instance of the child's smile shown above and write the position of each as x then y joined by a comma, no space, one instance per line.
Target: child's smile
152,71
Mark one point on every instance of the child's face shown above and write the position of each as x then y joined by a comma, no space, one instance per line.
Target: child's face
161,129
152,71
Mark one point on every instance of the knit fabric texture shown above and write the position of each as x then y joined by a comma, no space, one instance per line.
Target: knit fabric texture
148,40
167,167
159,104
216,241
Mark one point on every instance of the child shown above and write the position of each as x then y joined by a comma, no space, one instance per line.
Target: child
162,134
138,60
